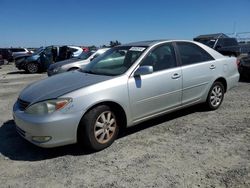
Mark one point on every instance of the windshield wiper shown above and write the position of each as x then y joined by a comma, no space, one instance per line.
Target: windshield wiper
88,71
91,72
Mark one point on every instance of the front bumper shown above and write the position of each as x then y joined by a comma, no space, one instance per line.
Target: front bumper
50,72
20,65
61,127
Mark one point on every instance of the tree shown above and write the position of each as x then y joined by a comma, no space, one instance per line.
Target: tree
114,43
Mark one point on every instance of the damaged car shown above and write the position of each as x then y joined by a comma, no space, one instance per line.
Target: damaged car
125,86
40,60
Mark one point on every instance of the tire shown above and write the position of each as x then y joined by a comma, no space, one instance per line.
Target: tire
98,128
32,67
215,96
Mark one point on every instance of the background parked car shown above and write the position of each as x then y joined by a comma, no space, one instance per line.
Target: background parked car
6,54
1,60
20,51
75,50
244,67
43,57
74,63
221,43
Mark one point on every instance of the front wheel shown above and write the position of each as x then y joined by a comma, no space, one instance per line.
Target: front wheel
32,67
98,128
215,96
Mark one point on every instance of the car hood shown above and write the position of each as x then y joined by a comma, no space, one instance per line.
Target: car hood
21,55
65,62
58,85
33,58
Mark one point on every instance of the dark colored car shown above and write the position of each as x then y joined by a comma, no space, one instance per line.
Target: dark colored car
6,54
221,43
1,60
40,60
10,53
244,67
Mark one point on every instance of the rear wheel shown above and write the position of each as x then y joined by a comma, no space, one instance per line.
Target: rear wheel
32,67
215,96
98,128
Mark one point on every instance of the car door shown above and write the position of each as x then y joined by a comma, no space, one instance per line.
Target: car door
46,57
198,68
155,93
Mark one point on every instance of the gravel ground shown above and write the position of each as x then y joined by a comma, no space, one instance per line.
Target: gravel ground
188,148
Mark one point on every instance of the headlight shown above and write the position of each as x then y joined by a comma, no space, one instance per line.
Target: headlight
55,70
48,107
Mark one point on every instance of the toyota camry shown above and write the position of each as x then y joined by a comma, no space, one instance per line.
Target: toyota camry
125,86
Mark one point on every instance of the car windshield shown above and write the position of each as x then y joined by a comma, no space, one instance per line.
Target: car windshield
85,55
39,50
115,61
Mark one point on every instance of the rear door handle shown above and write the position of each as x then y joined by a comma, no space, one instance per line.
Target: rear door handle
212,67
176,76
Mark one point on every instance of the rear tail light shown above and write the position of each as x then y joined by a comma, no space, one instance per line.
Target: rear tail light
237,62
85,49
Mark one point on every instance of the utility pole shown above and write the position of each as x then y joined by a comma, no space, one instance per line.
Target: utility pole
234,29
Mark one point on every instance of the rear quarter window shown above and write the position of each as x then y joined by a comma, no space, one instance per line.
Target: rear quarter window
230,42
18,50
191,53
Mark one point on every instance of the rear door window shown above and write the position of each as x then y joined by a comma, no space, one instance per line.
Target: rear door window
229,42
191,53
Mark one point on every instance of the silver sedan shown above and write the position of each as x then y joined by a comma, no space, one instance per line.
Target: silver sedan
74,63
125,86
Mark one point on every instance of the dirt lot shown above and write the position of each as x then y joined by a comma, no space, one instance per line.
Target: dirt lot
188,148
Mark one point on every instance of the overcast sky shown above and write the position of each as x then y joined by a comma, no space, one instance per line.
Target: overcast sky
34,23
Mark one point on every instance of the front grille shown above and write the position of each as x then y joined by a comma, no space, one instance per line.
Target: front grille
22,104
20,131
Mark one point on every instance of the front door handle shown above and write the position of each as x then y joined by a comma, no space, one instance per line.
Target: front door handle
212,67
176,76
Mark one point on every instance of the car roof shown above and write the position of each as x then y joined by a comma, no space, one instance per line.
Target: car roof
145,43
153,42
102,49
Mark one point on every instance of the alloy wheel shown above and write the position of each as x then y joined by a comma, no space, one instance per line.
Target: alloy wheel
105,127
216,96
32,68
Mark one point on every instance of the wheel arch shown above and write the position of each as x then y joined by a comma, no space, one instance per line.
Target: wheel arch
73,68
223,81
118,109
34,62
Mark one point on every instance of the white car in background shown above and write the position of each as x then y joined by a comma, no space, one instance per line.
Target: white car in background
20,51
74,63
15,52
76,50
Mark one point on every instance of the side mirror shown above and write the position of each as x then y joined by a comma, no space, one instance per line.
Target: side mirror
143,70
